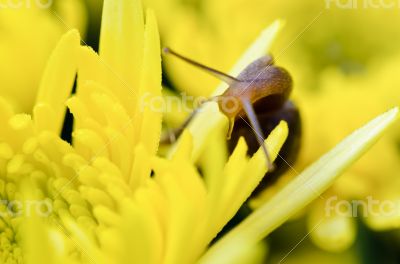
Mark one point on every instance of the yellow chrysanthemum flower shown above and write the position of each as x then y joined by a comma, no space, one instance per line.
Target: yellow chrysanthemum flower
108,198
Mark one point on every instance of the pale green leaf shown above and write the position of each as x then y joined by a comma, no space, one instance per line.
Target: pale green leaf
306,187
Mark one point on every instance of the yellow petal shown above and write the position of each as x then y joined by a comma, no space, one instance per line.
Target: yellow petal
241,176
121,47
57,83
330,230
35,231
151,85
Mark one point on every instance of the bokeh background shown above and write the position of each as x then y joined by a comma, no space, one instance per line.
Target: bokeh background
345,63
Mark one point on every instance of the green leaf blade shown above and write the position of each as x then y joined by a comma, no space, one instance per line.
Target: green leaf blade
309,185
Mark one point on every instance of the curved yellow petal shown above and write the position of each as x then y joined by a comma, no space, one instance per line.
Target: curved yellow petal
57,84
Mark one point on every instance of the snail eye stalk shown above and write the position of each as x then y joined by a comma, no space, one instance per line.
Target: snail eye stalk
218,74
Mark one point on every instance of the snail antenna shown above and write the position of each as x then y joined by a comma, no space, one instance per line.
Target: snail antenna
249,110
218,74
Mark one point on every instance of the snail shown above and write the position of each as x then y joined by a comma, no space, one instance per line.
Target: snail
254,103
